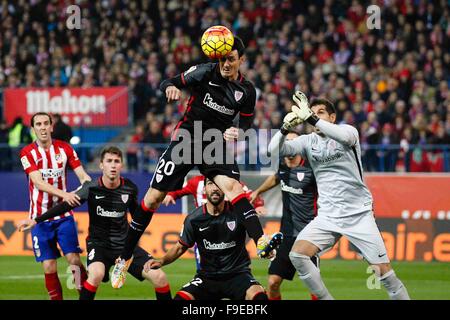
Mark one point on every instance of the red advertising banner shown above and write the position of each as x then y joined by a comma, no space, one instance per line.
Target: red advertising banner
88,107
411,196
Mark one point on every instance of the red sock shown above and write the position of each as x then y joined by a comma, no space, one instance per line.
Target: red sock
88,291
53,286
275,298
313,297
163,293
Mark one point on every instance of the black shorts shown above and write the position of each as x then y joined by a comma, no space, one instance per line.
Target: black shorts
174,165
282,265
234,288
107,256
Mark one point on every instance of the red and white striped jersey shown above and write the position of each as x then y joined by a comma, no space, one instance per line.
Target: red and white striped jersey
52,164
195,187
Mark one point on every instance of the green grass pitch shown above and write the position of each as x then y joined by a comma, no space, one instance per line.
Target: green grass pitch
22,278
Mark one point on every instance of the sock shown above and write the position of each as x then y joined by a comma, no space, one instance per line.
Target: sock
53,286
310,275
260,296
276,298
141,220
79,275
251,221
88,291
394,287
181,296
313,297
163,293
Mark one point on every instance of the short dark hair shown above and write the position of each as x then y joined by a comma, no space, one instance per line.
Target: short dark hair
40,114
113,150
329,106
239,46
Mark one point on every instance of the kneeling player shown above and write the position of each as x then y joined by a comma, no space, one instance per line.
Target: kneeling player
109,198
225,264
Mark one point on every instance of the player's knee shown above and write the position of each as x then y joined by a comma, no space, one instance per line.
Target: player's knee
298,260
50,266
157,277
73,259
274,284
153,198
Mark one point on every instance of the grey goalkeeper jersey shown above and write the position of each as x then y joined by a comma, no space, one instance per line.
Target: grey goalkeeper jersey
336,162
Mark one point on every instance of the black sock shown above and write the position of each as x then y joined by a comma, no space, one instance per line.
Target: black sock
261,296
163,293
88,291
141,220
251,220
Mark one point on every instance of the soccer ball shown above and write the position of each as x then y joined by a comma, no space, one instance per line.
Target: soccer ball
217,42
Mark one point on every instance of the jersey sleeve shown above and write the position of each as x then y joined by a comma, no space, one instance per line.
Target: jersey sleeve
344,133
190,77
246,114
290,148
188,189
187,238
83,190
72,157
133,205
27,161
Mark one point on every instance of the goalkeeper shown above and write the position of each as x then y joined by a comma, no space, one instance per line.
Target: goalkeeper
344,203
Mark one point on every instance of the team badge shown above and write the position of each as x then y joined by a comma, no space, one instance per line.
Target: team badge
124,198
238,95
58,158
159,177
300,176
231,225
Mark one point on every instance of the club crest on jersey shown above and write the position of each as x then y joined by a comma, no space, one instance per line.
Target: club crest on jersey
124,198
58,158
238,95
300,176
159,177
231,225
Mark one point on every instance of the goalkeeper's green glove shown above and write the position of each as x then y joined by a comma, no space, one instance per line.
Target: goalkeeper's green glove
290,121
302,109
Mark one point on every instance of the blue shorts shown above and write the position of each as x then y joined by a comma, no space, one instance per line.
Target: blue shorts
46,235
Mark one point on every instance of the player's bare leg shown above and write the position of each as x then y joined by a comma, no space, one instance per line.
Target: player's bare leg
256,292
273,287
233,190
52,282
96,274
78,269
393,285
300,256
141,219
159,280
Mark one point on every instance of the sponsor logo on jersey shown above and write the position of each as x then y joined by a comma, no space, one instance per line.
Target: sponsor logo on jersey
334,157
124,198
58,158
52,173
208,101
231,225
110,214
238,95
285,187
218,246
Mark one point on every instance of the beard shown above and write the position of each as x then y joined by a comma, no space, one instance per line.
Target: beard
216,200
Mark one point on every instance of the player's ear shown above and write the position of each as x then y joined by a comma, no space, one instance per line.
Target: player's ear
333,117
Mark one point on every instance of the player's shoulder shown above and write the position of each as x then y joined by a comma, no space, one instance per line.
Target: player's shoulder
348,127
201,68
61,144
129,184
197,213
28,148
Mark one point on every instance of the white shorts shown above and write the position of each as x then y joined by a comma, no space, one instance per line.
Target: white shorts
360,229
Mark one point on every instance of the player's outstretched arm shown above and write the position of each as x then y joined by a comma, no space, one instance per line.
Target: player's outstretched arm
344,134
268,184
278,144
173,254
82,175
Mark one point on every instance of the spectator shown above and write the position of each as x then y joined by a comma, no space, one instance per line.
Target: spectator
61,131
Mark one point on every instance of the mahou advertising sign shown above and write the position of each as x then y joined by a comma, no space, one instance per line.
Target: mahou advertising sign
78,106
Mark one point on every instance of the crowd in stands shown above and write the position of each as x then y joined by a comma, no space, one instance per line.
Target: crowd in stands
391,83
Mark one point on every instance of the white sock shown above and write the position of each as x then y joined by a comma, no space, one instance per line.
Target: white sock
310,275
394,287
